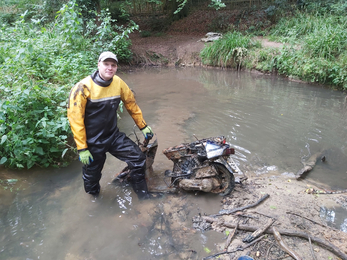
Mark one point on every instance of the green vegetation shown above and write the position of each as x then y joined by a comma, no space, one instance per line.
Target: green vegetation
44,52
314,50
229,51
39,63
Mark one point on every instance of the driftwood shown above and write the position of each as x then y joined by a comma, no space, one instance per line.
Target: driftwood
321,242
227,212
310,163
258,232
283,245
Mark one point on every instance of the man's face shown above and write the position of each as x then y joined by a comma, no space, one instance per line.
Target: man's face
107,69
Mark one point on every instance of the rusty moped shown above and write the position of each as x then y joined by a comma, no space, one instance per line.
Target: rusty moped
203,165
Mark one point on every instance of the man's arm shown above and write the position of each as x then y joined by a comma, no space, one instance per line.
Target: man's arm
131,106
76,113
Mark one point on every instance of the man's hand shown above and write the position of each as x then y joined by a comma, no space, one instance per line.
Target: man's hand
86,157
147,132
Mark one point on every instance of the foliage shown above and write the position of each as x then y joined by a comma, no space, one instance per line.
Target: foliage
317,37
262,59
228,51
34,127
314,34
217,4
39,64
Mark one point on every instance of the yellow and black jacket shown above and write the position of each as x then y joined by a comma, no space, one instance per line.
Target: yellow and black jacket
92,110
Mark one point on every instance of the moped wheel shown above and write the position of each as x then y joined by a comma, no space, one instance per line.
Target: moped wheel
226,179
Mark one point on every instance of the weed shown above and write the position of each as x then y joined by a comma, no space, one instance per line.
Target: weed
229,51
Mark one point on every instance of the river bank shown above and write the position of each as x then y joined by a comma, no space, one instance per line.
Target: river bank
175,49
291,208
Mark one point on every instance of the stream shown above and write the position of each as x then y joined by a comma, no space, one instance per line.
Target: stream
274,125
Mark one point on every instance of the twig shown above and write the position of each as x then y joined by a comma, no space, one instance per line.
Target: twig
237,249
312,252
260,213
323,243
230,237
246,216
284,246
258,232
227,212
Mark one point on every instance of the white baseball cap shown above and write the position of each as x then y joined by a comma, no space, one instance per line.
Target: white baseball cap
107,55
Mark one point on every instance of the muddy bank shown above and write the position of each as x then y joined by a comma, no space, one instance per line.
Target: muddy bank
291,207
166,50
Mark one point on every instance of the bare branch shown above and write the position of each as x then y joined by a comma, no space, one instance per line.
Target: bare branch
283,245
227,212
321,242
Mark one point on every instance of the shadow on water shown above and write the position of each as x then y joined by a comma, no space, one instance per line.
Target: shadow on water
274,124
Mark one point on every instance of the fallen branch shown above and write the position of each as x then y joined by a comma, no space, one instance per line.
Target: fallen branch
227,212
261,213
237,249
283,245
311,248
258,232
230,237
321,242
310,163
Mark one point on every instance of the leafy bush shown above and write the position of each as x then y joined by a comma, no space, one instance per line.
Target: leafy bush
34,127
39,65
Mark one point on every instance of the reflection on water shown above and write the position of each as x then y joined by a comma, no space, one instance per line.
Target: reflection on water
274,124
334,217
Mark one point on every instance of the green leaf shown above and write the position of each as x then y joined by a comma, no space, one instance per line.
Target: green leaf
39,150
30,164
207,250
54,149
3,139
3,160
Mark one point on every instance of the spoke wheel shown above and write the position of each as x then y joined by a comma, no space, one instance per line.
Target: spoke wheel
226,180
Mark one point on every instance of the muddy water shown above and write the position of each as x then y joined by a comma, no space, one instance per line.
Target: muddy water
274,125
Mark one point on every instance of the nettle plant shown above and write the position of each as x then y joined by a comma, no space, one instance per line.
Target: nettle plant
34,127
39,64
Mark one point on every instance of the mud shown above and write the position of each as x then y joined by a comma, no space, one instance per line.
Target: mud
291,207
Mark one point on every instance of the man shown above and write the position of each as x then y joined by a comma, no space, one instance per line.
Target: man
92,113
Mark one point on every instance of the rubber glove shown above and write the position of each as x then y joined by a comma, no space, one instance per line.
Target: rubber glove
147,132
86,157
